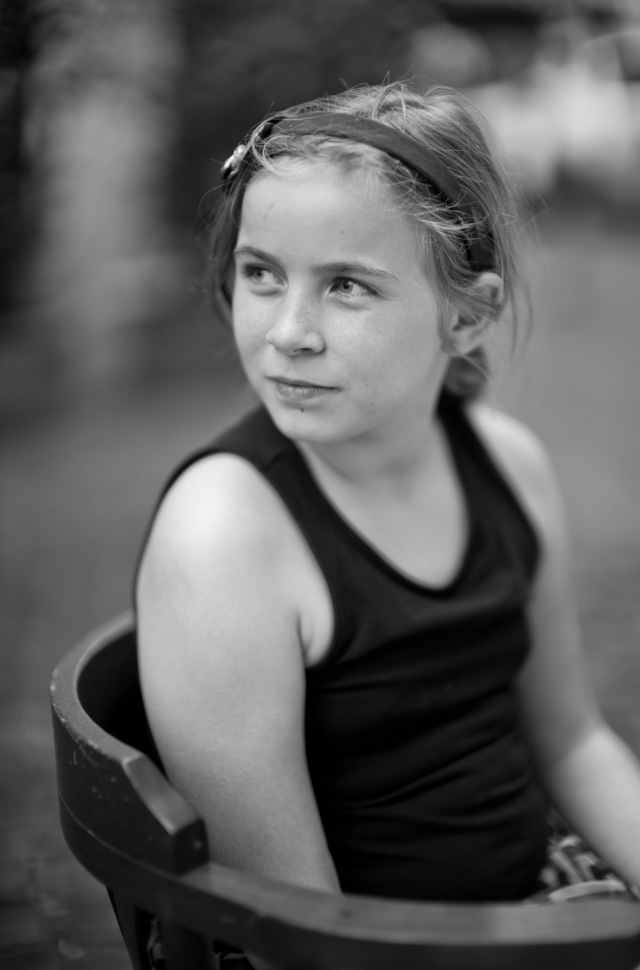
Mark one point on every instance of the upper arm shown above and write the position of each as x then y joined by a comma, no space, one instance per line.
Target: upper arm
558,702
222,671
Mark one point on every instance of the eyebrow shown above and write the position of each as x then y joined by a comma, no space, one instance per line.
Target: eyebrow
340,268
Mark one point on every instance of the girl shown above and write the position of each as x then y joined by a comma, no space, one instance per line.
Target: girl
358,644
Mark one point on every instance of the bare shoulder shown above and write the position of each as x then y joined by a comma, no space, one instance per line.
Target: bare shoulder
224,548
524,460
220,507
209,552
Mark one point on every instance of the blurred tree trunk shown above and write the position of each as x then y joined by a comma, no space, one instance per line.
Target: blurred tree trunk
13,56
102,138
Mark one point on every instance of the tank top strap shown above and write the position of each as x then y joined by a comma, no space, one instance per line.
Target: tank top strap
491,498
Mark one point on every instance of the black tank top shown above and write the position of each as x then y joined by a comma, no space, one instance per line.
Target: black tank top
422,775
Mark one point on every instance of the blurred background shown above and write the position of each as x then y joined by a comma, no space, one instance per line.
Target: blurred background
114,118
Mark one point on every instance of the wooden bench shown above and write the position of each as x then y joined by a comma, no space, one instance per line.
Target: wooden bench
128,827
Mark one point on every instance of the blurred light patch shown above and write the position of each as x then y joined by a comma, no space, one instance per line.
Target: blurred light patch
573,112
100,136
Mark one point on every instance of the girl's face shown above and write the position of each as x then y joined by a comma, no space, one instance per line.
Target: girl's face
335,321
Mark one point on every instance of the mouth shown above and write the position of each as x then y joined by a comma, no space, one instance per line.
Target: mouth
297,390
290,382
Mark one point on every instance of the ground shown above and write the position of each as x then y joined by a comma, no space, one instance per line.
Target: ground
81,466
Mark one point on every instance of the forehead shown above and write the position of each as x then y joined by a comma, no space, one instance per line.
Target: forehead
305,206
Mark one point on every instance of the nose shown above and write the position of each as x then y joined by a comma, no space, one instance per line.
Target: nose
297,326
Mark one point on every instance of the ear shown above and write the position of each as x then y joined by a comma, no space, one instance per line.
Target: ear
470,330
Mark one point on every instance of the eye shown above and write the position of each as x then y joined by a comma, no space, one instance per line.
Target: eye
352,289
260,276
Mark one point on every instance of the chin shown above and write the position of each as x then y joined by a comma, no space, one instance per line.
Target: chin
307,424
300,425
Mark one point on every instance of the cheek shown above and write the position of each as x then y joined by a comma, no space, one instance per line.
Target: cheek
385,364
408,345
246,324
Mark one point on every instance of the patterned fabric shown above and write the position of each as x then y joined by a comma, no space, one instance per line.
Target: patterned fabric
574,871
232,961
223,958
155,949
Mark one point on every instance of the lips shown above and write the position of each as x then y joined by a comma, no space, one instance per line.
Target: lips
294,382
295,391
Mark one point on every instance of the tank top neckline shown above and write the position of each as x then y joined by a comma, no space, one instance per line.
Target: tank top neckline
371,551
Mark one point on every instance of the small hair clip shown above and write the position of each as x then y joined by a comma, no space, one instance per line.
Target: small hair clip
234,163
230,167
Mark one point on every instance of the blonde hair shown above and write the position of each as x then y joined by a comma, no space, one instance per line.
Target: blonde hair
448,124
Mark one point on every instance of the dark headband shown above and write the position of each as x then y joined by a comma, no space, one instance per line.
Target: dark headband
417,157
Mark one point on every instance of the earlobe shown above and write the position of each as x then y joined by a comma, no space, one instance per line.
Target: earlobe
468,333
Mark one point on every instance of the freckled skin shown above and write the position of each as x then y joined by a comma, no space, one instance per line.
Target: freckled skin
369,337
